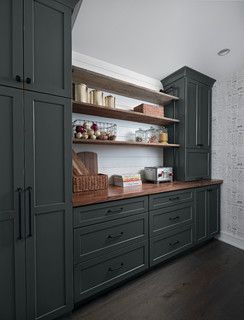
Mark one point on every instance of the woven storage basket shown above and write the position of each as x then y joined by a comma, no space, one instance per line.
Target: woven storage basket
90,182
150,110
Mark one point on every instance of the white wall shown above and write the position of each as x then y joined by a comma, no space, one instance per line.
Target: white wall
228,154
120,159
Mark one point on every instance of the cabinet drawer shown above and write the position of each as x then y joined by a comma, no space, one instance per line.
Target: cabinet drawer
164,219
109,210
101,238
162,200
169,244
98,274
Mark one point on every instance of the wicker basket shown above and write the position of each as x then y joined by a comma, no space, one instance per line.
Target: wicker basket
150,110
90,182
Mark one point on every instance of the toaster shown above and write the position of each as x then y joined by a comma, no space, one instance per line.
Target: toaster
158,174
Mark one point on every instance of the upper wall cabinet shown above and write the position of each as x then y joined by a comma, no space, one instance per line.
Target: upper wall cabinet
35,55
11,53
192,160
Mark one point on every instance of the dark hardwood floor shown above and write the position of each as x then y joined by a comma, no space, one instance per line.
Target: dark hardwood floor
207,283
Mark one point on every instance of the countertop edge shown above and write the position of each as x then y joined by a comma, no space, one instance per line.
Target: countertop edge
91,198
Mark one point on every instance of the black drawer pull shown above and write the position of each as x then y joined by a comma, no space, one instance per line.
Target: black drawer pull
174,198
18,78
114,236
209,190
28,80
199,145
111,269
110,211
174,243
175,218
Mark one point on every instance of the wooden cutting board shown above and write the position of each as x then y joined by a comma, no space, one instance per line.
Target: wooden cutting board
90,161
78,166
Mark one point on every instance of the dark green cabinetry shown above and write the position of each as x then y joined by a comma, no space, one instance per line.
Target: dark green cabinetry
207,212
193,159
116,240
35,54
36,231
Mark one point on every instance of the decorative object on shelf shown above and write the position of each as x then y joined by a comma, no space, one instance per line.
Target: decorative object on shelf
88,181
158,174
127,180
140,135
96,97
152,135
84,129
152,110
109,101
80,92
163,136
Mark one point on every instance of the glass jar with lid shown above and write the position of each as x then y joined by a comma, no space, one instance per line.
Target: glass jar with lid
163,135
140,135
152,135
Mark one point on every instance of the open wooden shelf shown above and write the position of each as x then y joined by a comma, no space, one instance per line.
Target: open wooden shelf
125,143
121,114
101,82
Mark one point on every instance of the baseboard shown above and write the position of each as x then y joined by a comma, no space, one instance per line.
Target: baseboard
230,239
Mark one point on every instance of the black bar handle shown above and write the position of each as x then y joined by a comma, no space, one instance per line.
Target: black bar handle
175,218
209,190
174,243
110,269
20,190
110,211
29,189
114,236
199,145
174,198
18,79
28,80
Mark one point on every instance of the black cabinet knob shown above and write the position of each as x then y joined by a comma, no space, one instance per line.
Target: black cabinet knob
28,80
18,78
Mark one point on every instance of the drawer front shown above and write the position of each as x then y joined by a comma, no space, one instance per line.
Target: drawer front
168,218
101,238
167,245
102,212
162,200
98,274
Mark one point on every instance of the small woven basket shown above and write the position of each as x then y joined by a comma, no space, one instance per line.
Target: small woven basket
90,182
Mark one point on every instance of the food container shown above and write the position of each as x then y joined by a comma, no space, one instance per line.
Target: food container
140,135
151,110
80,93
163,136
96,97
152,135
109,101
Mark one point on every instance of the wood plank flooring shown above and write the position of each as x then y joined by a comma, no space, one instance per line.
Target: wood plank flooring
206,284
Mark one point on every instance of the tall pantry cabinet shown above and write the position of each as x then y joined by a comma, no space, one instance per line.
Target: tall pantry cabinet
35,159
193,159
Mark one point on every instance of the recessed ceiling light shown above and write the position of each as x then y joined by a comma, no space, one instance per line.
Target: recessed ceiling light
224,52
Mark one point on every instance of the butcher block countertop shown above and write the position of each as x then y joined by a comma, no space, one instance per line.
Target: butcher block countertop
119,193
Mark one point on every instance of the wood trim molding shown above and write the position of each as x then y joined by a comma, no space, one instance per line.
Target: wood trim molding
231,239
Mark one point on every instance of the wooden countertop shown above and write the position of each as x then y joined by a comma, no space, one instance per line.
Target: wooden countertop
118,193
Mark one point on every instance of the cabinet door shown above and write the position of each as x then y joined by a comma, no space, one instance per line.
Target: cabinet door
11,53
201,215
213,195
191,113
203,116
49,208
47,47
12,243
198,164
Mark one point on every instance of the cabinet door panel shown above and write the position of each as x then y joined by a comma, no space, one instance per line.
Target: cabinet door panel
48,173
197,164
213,210
12,248
47,47
11,53
201,215
191,113
203,116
